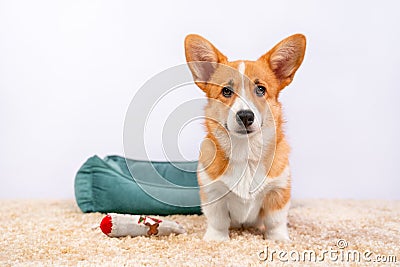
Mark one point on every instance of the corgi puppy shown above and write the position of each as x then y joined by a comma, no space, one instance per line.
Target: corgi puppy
243,169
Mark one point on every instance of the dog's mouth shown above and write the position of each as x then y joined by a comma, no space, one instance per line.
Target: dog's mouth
246,131
242,131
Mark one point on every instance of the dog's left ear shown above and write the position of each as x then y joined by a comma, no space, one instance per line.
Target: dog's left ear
202,57
286,57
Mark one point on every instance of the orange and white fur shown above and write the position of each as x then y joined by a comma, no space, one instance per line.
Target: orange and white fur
243,171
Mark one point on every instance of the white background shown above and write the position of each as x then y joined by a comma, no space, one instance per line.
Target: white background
69,69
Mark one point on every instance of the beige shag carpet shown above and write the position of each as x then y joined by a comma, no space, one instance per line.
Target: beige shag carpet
56,233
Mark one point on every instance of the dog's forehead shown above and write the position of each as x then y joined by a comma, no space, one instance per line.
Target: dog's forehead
238,70
251,69
226,73
240,75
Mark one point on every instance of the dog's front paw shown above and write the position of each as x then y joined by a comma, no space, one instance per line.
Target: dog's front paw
215,235
278,235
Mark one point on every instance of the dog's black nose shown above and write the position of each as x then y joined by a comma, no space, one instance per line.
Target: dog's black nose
245,117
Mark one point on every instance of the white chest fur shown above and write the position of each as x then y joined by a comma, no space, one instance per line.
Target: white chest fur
246,172
243,186
243,206
243,212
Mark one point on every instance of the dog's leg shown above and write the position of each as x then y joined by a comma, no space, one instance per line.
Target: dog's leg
276,206
218,221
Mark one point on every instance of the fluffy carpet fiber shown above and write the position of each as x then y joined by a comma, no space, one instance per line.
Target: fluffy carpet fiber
56,233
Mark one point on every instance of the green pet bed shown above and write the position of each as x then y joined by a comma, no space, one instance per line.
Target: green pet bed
120,185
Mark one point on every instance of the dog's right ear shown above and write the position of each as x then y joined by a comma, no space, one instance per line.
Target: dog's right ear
202,57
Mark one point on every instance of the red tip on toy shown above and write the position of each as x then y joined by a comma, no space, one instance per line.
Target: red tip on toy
106,225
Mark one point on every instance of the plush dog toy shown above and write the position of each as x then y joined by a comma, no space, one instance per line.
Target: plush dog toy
117,225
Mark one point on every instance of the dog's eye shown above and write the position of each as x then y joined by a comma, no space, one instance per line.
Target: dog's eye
260,90
227,92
